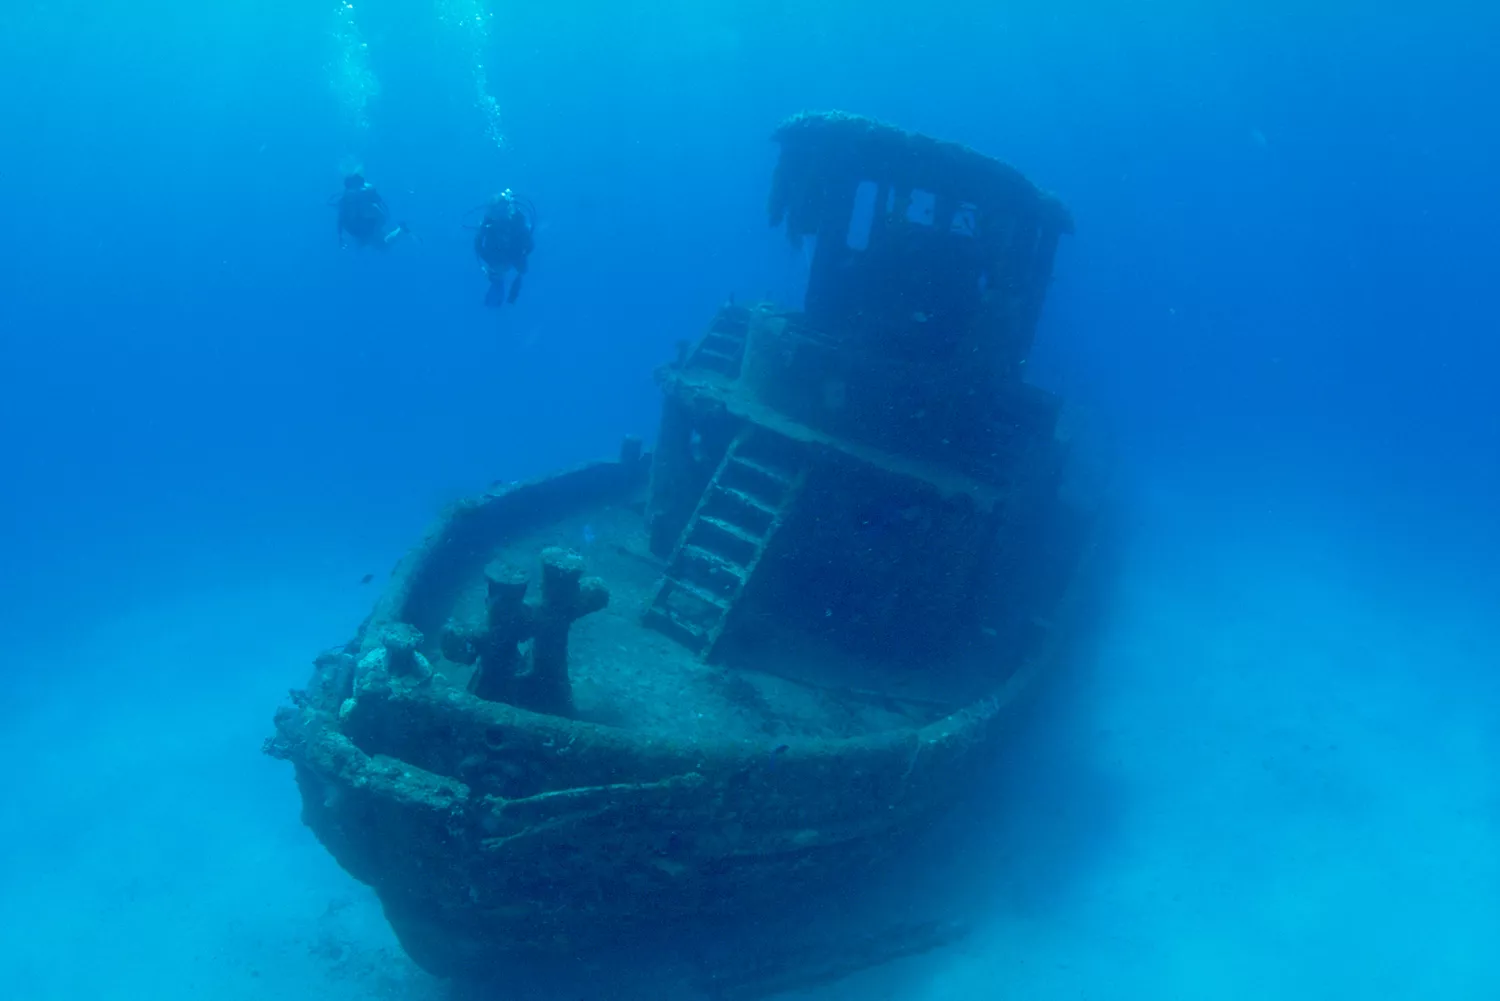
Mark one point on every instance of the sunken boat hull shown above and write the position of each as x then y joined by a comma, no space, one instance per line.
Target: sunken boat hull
807,613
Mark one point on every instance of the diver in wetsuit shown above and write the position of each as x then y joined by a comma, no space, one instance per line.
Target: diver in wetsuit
503,243
364,215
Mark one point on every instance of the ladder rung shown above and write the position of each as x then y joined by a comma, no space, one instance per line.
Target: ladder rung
711,574
750,500
764,470
703,595
725,540
743,534
729,532
733,324
718,356
714,559
723,341
686,633
740,508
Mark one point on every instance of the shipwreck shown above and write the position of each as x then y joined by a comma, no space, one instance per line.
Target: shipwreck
686,690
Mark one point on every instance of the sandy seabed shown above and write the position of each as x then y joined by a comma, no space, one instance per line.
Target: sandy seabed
1278,778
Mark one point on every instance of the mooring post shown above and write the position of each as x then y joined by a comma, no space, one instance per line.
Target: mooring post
509,623
566,597
403,660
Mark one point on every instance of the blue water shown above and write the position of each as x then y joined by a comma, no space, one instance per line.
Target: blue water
1276,777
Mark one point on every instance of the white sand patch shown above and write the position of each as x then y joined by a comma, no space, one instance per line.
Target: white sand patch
1296,768
1281,779
150,850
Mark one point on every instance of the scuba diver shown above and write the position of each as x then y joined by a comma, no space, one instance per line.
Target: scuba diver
504,242
364,215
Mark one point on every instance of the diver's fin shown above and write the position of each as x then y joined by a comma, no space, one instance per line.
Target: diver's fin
402,231
496,294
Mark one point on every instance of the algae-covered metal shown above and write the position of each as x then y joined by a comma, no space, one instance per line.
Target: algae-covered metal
621,705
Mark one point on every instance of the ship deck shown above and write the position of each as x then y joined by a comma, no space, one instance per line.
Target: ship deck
629,676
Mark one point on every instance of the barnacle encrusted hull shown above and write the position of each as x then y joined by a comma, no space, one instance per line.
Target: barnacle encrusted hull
664,700
487,829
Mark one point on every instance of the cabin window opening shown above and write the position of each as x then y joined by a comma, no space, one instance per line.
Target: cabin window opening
921,208
862,218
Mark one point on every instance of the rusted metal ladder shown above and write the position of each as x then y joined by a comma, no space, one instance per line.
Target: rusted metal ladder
742,509
722,348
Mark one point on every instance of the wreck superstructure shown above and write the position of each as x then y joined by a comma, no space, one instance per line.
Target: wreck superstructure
680,690
865,455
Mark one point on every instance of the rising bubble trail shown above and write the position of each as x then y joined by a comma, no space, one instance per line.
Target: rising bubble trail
470,19
350,75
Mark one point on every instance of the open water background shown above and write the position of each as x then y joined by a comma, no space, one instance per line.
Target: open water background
1276,777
